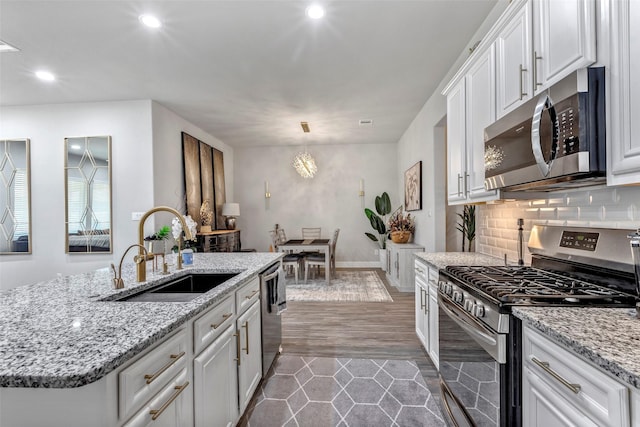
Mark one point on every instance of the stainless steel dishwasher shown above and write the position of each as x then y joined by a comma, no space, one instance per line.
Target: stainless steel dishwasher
273,299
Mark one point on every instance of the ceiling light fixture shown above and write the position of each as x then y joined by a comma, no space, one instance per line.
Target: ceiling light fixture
45,75
150,21
303,162
315,11
6,47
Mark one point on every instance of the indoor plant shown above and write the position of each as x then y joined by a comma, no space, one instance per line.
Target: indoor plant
401,226
383,207
157,240
468,225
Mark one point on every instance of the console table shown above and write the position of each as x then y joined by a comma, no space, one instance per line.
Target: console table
219,241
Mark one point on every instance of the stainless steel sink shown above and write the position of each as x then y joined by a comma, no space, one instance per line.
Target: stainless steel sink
180,290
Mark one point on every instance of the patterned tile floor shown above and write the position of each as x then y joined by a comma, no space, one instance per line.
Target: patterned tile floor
317,391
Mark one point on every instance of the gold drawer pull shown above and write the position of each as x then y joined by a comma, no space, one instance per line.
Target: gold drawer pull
155,413
224,317
545,367
252,294
152,377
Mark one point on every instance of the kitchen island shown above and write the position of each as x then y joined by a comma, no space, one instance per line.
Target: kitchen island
69,339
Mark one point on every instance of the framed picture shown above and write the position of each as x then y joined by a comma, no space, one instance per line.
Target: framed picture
413,188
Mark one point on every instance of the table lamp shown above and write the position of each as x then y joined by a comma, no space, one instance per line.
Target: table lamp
230,211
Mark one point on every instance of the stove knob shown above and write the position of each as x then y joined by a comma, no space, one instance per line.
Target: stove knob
457,296
478,310
468,305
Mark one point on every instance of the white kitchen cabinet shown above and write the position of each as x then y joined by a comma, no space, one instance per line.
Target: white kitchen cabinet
215,382
426,308
623,144
250,358
470,108
541,42
401,265
561,389
434,347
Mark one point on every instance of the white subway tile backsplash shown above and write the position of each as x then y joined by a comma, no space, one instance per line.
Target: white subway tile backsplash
568,213
601,197
591,213
616,213
557,201
547,213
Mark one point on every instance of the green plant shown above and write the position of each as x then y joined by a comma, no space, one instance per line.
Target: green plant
383,207
161,234
468,225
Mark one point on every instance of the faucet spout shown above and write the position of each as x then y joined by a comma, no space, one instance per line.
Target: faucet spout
141,268
118,283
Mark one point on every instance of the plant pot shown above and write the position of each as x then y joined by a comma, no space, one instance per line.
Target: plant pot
400,236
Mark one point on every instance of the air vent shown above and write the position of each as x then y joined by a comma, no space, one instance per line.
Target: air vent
365,122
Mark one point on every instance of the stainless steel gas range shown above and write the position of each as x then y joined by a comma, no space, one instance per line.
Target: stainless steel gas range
480,341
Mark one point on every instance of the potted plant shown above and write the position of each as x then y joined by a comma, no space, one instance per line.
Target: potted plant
468,225
383,207
401,226
157,240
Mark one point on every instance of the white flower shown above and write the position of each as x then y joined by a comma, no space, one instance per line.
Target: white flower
176,227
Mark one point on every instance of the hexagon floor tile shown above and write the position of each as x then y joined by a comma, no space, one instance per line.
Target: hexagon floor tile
321,391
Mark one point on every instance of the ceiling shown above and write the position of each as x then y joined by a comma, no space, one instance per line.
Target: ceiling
246,72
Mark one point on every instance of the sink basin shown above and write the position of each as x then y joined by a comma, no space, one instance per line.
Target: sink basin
180,290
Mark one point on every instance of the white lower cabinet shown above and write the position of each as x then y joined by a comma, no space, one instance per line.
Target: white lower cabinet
215,382
433,318
401,264
426,308
250,363
561,389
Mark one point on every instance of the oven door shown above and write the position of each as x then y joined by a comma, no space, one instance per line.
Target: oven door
473,369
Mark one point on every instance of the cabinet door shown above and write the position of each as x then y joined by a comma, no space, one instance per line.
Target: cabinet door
513,62
433,349
421,305
564,38
250,366
622,138
456,134
480,109
215,382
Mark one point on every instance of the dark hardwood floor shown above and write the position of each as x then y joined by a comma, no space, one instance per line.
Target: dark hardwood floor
363,330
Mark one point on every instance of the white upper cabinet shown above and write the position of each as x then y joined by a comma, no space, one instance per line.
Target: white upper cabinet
456,135
513,71
623,143
541,42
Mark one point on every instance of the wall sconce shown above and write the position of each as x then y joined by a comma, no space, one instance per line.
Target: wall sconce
361,192
267,195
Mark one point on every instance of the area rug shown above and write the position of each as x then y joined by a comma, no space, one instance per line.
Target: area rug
346,286
322,391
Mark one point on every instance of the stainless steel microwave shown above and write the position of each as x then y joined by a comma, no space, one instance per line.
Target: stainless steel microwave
553,141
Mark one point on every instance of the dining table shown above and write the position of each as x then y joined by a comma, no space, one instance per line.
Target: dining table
310,245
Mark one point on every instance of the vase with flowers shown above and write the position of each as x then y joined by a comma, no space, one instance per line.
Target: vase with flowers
178,234
401,226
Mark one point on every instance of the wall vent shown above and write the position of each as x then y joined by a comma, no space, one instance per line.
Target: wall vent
365,122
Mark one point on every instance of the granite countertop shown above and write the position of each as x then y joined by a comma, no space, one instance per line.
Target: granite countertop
63,333
607,337
442,259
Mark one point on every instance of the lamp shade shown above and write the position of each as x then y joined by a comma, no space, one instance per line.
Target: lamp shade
231,209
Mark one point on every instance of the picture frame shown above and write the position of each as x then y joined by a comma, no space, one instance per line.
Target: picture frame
413,188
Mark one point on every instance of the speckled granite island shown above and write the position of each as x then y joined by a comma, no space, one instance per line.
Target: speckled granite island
69,334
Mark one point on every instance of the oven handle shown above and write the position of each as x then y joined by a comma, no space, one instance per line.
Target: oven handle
476,329
446,393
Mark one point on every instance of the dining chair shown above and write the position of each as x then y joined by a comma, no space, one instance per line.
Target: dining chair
318,259
311,232
289,260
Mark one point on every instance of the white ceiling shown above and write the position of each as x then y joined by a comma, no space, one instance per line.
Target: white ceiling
247,72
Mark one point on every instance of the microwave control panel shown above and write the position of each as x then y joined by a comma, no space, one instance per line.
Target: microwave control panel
579,240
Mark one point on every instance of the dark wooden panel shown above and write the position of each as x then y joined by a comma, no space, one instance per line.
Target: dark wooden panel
206,175
218,182
191,156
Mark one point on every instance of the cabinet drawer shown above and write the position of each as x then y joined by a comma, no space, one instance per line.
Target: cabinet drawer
144,378
169,407
593,392
211,324
246,295
421,271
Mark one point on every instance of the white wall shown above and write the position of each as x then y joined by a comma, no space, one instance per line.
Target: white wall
330,200
147,171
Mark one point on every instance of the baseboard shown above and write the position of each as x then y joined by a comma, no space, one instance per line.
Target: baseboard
358,264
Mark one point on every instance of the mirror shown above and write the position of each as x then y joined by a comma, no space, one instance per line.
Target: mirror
87,173
15,190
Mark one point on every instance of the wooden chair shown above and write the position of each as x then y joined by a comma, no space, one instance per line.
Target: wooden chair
311,232
318,259
289,260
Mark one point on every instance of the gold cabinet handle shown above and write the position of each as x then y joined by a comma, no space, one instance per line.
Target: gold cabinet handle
545,367
174,358
246,336
155,413
237,335
252,294
224,317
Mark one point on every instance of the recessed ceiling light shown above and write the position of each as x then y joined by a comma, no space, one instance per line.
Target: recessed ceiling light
150,21
6,47
45,75
315,11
